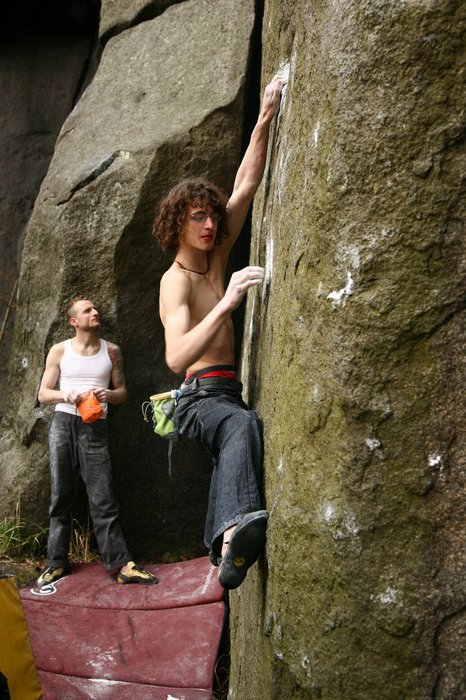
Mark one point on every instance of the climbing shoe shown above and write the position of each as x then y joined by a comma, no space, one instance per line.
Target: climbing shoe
136,575
246,544
50,575
215,560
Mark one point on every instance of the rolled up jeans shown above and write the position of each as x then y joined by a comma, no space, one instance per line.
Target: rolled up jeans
75,445
212,412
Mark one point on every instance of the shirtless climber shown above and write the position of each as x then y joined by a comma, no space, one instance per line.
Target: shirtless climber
197,224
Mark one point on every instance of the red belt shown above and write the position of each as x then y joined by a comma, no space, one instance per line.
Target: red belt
215,373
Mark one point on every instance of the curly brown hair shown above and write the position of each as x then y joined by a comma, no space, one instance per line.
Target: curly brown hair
196,193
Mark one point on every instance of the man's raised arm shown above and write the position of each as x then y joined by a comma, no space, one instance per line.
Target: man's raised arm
252,166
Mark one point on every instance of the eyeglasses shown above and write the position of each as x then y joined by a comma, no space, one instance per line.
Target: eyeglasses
201,218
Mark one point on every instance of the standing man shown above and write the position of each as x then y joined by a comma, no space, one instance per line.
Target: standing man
198,225
77,365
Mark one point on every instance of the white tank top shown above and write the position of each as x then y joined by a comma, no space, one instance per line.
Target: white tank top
83,372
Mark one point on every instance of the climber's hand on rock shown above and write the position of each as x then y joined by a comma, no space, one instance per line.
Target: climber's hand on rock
240,282
272,93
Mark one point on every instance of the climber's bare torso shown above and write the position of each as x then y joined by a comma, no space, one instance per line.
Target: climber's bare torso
200,294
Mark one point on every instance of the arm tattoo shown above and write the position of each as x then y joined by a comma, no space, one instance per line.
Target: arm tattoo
117,362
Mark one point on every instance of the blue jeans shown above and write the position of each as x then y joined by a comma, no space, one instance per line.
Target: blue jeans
212,412
75,445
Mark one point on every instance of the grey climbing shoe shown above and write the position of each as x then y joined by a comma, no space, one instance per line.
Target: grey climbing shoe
246,544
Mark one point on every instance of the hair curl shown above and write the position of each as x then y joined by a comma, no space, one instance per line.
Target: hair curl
172,212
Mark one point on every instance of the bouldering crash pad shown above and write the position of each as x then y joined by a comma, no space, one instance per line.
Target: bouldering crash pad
94,638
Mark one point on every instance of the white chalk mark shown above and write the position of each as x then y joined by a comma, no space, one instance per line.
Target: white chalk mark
268,265
373,443
207,580
329,513
339,297
387,597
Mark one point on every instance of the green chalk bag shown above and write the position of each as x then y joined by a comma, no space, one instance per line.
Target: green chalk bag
162,407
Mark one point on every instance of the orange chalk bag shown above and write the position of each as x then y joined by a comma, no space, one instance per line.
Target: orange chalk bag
89,408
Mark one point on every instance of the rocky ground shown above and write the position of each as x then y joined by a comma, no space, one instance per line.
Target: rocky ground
24,571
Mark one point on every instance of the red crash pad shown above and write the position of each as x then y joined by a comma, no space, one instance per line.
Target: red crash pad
93,638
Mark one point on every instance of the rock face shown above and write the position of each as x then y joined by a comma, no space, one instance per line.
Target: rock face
116,15
354,348
354,357
166,102
35,38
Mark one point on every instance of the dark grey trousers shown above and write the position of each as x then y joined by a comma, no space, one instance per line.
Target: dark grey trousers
75,445
212,412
